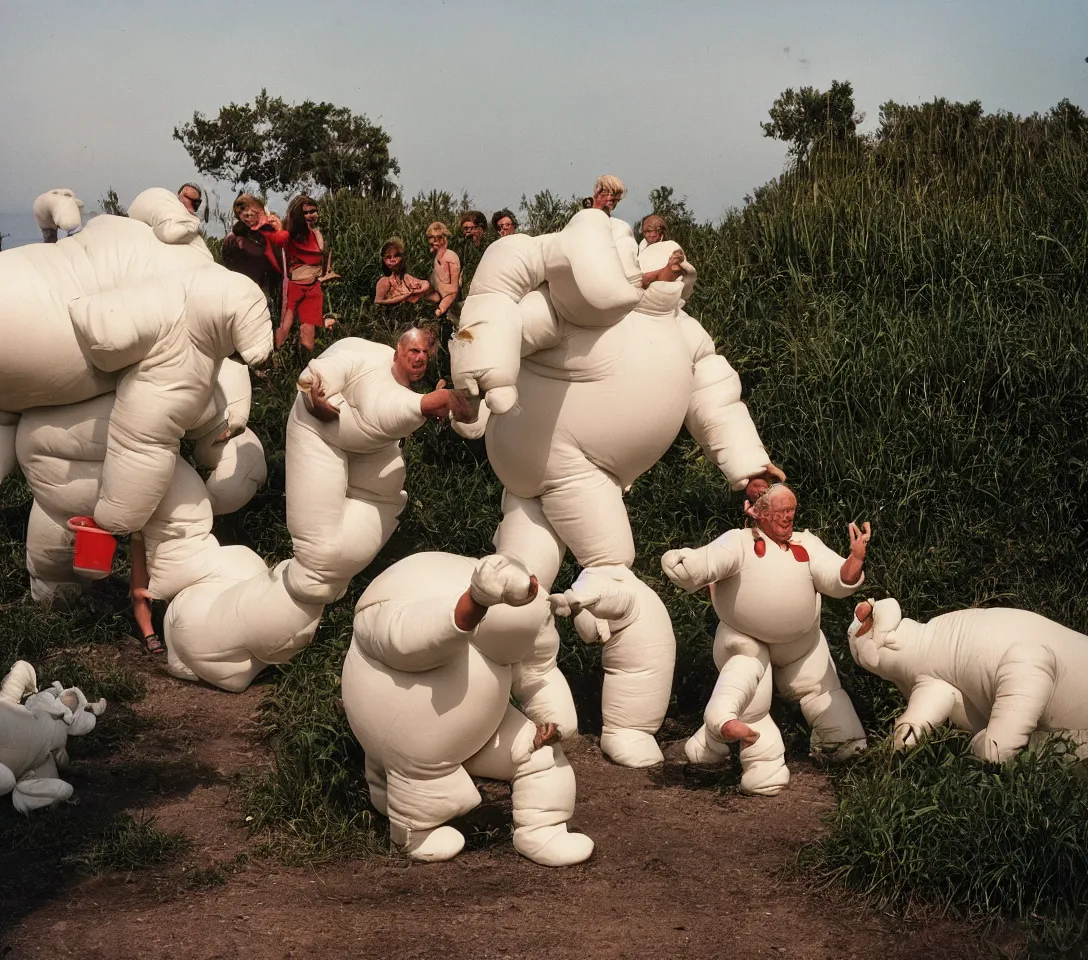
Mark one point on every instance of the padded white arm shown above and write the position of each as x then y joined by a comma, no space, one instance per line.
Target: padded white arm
717,417
409,635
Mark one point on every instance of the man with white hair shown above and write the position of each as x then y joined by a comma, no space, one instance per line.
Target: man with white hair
1002,674
767,583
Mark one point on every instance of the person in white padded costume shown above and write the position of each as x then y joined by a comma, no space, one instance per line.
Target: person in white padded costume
344,491
229,616
61,451
766,583
1008,676
426,689
588,367
134,306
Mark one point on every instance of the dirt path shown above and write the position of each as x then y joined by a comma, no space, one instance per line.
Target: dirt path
679,870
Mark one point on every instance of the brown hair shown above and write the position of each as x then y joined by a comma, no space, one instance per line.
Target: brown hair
294,221
393,245
475,218
246,201
655,219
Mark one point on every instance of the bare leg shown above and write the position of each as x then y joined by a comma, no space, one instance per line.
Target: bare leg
284,330
306,336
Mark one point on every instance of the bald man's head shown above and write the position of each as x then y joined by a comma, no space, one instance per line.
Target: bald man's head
774,512
411,355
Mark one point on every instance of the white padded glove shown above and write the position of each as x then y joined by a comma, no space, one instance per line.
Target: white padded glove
498,579
593,600
687,568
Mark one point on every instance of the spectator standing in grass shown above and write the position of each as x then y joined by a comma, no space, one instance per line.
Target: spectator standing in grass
247,250
445,285
654,230
304,250
474,227
504,222
396,285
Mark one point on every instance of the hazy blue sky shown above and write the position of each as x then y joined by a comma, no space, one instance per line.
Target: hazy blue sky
503,97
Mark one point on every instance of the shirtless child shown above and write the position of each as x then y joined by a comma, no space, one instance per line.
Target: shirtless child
446,273
396,285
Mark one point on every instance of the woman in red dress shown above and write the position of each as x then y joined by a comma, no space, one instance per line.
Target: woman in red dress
304,248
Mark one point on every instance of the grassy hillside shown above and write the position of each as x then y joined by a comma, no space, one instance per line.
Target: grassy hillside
908,316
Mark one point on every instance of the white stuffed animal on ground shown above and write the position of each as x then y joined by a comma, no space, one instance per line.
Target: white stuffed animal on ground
33,736
767,583
589,368
1002,674
58,210
426,688
133,305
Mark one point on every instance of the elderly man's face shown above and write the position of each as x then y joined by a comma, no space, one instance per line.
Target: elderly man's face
410,358
606,201
473,231
776,515
506,227
190,198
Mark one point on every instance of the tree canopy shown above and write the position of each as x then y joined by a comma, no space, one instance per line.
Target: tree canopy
284,147
807,116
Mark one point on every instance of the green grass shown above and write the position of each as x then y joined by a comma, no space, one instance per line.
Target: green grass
132,844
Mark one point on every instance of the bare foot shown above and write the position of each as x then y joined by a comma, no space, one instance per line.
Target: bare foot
545,733
734,730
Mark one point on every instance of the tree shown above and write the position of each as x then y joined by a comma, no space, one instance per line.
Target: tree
285,147
546,212
111,203
809,116
675,212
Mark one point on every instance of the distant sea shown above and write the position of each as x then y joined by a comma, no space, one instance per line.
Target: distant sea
21,228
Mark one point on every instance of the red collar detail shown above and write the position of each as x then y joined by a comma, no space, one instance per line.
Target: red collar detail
800,554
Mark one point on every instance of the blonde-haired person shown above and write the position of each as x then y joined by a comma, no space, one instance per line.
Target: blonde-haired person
608,191
446,272
396,285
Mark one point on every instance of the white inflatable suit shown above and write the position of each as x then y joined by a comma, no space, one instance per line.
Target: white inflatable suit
33,736
606,374
58,210
133,305
61,451
229,615
768,600
1002,674
430,704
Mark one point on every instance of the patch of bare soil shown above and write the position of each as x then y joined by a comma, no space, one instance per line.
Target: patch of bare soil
680,870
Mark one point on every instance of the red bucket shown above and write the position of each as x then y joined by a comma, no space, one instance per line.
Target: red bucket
94,548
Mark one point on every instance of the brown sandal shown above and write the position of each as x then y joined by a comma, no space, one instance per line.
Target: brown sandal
153,644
